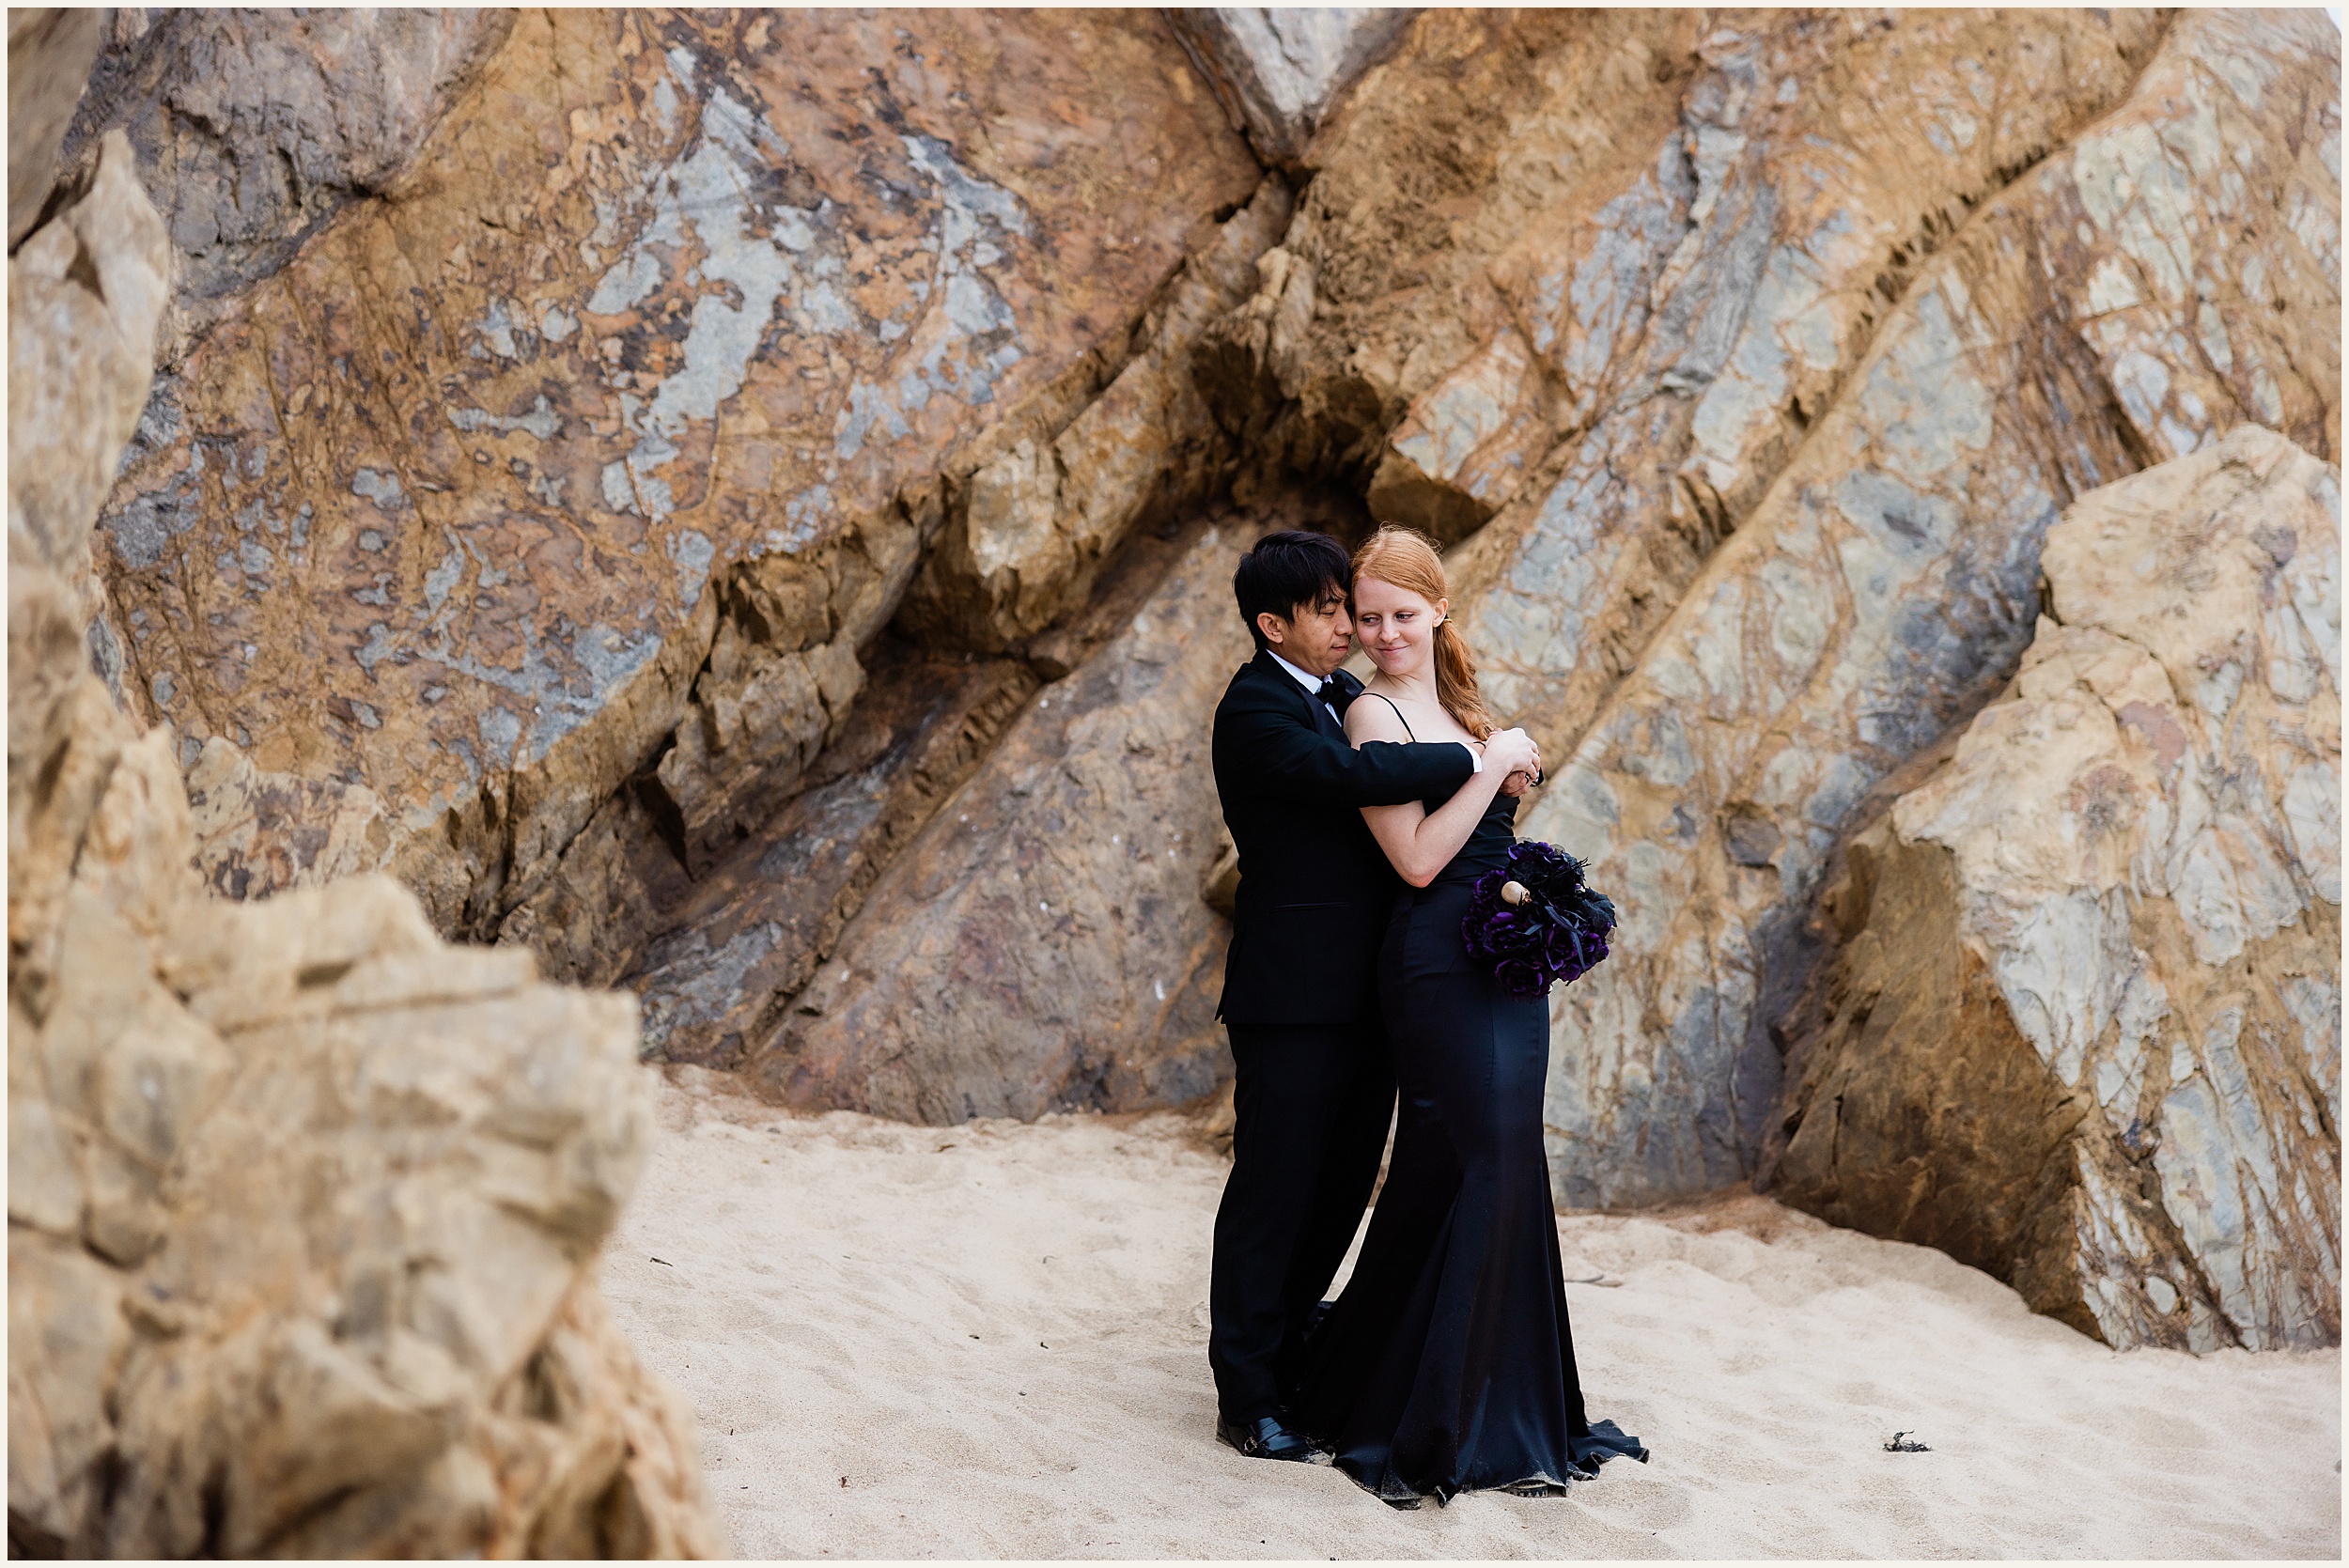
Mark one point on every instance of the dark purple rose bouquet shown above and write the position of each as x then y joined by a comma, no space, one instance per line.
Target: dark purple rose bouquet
1535,921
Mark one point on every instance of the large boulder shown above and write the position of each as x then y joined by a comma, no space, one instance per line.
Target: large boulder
2082,1026
598,440
2167,273
304,1207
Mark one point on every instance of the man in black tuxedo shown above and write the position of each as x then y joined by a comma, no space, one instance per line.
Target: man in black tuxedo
1300,993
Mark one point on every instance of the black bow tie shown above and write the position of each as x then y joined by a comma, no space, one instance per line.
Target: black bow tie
1337,695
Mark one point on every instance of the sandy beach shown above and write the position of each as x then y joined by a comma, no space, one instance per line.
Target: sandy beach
990,1340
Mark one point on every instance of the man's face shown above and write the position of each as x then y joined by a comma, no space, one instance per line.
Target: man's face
1315,637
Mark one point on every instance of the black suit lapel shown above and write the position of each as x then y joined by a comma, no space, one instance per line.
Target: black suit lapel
1316,711
1324,720
1293,694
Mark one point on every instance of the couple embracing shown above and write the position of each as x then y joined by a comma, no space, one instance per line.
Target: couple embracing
1363,816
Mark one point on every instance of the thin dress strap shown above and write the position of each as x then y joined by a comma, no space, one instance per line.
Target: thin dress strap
1398,712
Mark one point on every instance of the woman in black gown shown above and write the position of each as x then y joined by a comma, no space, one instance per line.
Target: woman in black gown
1447,1365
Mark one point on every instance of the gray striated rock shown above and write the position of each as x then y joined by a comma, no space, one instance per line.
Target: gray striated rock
723,958
1023,549
1709,301
1281,71
2083,1025
1886,582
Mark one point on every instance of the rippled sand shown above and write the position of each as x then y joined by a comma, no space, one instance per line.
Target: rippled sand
990,1340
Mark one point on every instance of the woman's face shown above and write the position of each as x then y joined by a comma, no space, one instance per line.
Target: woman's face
1396,626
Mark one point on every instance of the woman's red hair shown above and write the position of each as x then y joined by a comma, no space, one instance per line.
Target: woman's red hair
1406,558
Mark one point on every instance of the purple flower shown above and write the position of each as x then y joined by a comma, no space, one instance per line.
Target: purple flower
1558,933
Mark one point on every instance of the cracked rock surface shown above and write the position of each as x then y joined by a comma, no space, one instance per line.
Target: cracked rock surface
1884,584
304,1207
600,440
2083,1025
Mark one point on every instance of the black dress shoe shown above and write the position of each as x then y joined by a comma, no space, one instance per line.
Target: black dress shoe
1265,1439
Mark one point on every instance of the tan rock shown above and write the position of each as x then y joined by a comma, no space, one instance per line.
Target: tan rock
84,294
259,833
353,1185
443,509
304,1207
88,290
50,53
67,1338
2084,1027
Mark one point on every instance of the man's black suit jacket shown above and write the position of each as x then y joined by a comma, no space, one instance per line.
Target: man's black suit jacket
1315,887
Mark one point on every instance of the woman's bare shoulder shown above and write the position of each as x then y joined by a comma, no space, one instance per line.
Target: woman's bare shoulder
1371,717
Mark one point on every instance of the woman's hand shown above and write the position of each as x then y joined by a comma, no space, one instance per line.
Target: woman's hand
1513,751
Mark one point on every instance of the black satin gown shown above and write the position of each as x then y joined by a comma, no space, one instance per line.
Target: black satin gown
1447,1364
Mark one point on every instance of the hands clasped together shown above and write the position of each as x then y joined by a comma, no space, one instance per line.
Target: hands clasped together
1514,753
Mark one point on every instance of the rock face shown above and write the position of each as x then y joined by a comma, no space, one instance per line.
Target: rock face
259,128
625,412
1285,373
1279,70
2104,308
2083,1026
303,1206
1043,946
1790,327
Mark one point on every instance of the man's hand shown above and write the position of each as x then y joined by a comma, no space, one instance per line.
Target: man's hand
1516,783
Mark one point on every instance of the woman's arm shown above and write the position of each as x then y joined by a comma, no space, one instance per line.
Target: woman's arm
1419,843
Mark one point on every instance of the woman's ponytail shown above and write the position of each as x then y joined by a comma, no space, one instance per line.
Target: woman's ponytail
1456,682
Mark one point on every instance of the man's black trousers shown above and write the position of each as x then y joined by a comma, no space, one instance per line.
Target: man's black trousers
1313,1105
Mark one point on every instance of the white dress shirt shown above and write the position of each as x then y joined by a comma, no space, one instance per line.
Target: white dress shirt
1313,686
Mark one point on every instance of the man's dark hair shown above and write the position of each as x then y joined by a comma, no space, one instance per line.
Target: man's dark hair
1288,570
